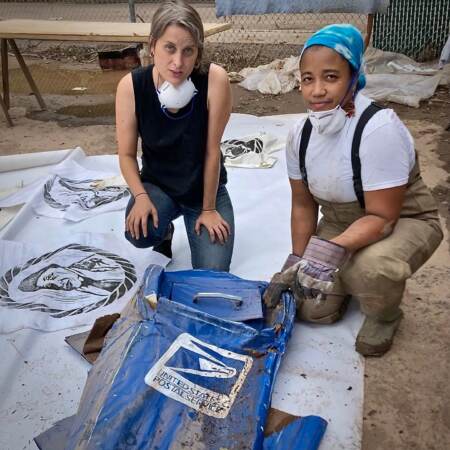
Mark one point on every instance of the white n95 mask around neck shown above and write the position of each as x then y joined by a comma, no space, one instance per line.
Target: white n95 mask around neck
176,97
328,122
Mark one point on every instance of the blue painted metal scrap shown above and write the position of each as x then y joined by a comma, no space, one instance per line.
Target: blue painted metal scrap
252,7
177,377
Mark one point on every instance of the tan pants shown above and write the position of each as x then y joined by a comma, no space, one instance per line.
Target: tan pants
376,275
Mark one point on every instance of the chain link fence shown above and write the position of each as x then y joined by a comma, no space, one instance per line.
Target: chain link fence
416,28
61,67
285,33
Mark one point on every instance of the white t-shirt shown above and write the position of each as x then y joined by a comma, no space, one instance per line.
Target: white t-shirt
386,153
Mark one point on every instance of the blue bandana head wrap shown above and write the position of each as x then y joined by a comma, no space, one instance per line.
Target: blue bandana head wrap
347,41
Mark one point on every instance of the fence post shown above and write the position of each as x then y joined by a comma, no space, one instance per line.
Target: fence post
132,10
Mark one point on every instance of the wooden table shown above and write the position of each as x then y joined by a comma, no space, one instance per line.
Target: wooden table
61,30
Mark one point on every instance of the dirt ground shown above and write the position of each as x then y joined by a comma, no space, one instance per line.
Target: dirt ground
407,391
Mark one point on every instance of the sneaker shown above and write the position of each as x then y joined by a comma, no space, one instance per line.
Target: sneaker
375,337
165,246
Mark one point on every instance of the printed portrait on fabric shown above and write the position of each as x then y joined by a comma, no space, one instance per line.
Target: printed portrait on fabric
236,148
253,151
61,193
71,280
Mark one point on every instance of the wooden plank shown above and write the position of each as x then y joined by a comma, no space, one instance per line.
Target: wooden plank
62,30
5,111
27,73
5,73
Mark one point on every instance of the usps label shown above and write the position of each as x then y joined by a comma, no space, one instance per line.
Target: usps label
200,375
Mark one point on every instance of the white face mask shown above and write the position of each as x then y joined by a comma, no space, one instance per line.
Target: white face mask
176,97
328,122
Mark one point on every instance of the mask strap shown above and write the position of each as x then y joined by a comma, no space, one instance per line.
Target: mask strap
157,82
164,110
350,85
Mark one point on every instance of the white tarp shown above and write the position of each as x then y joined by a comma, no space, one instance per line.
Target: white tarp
445,54
320,374
278,77
397,78
407,90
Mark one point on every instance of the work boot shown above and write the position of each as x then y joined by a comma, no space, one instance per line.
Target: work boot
375,337
165,246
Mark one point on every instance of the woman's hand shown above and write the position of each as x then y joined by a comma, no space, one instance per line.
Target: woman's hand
216,226
139,214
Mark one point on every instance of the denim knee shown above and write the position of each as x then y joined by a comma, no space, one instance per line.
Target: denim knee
168,210
204,253
142,242
213,260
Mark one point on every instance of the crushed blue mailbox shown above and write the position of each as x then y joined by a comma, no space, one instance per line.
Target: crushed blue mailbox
181,376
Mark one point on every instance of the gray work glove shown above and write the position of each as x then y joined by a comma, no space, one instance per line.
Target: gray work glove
290,261
318,265
312,276
281,281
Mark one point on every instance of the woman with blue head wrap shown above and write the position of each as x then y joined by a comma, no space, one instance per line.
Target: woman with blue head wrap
356,161
347,41
342,47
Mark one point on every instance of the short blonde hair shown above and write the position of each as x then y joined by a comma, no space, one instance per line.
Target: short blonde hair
178,12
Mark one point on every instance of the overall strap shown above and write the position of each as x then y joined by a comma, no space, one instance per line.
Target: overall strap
368,113
304,141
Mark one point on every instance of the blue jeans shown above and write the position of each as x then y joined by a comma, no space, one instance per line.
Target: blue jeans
204,253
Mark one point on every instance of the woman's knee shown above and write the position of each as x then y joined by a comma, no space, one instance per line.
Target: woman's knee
154,236
167,211
218,261
371,271
377,281
142,242
212,256
218,266
326,311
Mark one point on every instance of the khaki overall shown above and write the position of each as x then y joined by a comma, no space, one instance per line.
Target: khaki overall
376,275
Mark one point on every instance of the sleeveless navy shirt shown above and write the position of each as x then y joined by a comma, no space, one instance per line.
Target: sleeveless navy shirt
173,148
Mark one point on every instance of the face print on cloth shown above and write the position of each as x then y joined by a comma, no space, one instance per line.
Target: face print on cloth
234,148
71,280
61,193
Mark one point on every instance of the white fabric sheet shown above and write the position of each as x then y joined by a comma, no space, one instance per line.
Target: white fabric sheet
316,374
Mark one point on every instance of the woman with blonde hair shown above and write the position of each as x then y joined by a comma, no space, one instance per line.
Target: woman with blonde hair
179,109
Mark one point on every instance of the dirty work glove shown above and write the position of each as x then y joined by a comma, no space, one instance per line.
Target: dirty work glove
281,281
290,261
318,265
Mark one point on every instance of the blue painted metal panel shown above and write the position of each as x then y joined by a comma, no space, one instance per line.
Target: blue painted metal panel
252,7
